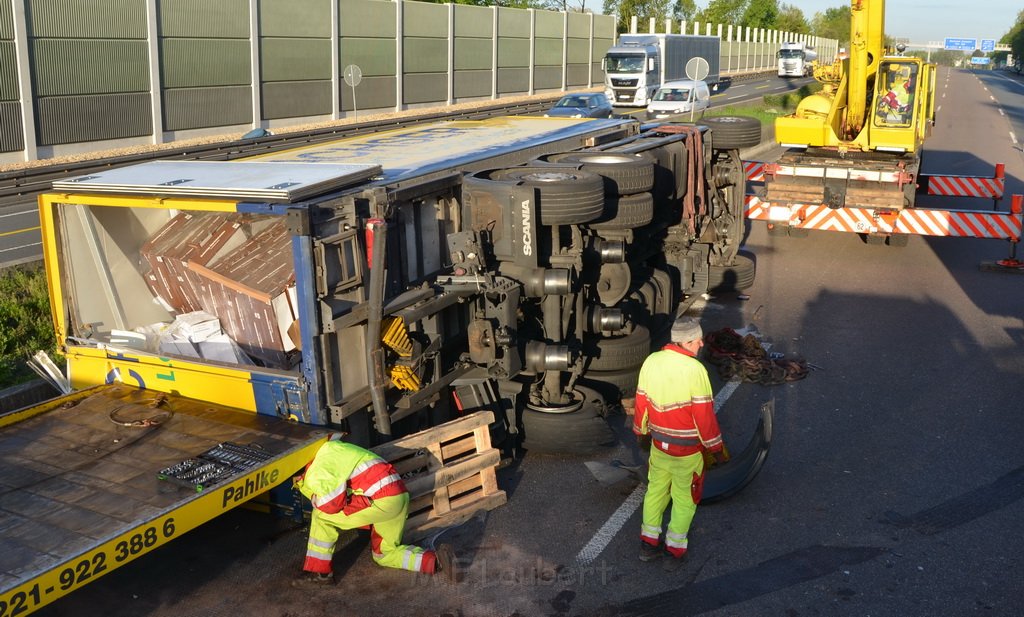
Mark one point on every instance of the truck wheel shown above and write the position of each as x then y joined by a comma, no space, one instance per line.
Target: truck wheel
563,197
733,132
626,212
579,430
624,174
615,352
614,385
732,278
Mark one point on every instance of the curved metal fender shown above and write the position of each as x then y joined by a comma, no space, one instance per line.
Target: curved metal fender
723,481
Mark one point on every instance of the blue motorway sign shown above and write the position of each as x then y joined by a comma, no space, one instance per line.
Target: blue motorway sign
980,60
988,44
961,44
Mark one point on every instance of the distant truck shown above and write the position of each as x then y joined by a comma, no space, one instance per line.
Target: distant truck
639,64
796,60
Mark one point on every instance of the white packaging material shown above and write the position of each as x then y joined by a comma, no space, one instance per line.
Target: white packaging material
196,326
222,349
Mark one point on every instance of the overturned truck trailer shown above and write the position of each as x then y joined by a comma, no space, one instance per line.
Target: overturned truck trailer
385,283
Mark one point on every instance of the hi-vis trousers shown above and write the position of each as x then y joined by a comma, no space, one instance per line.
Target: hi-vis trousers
677,479
386,519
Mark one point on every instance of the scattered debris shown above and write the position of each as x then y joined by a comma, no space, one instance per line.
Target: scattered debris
45,368
744,356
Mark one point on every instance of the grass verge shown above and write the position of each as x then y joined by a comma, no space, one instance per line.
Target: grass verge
770,107
25,325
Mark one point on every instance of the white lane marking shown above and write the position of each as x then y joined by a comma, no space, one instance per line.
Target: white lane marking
611,527
607,532
938,109
991,97
34,211
23,246
1013,138
1001,113
734,97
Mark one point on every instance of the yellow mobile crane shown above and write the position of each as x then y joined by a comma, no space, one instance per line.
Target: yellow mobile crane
857,143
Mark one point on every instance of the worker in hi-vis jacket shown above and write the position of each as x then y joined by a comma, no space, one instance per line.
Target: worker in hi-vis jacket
675,413
351,487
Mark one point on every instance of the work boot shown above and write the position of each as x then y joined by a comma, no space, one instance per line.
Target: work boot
672,563
446,563
313,580
649,552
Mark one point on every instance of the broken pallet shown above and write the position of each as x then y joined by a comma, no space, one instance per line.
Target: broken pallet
449,471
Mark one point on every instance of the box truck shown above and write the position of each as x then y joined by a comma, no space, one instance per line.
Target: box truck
641,63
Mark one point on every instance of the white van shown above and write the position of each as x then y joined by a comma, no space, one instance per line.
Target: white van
678,97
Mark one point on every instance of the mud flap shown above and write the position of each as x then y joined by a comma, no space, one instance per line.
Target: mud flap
724,481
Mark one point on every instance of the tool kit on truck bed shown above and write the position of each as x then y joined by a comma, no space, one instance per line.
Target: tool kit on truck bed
215,465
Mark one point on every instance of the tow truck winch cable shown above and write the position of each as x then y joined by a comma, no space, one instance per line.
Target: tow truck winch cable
155,420
745,358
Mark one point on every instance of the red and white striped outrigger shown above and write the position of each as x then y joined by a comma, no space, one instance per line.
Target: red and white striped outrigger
886,221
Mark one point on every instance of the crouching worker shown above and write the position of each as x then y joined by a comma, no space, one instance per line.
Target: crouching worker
351,487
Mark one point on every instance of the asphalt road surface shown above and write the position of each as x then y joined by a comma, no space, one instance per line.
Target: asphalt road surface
893,488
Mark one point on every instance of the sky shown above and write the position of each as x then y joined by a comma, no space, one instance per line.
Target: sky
922,21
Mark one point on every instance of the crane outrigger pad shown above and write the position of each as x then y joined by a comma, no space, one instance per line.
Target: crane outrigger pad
79,488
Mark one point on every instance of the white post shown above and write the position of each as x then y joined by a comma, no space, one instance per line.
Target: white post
668,26
335,61
650,26
707,29
533,46
156,105
451,53
682,27
633,24
28,114
254,63
731,48
494,51
590,54
399,50
746,63
565,49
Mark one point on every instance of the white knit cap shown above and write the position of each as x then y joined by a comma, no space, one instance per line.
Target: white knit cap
686,329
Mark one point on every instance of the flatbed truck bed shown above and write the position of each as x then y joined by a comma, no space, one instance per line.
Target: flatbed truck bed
79,489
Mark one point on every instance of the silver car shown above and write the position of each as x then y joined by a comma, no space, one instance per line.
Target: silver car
581,105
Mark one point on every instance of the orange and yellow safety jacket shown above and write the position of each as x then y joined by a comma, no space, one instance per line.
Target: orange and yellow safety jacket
344,477
674,404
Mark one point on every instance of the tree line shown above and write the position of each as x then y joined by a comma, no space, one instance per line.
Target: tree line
1015,39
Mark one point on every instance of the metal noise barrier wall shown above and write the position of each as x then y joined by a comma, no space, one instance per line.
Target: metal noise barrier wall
113,73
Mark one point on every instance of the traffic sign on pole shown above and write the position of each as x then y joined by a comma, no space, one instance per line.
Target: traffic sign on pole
960,44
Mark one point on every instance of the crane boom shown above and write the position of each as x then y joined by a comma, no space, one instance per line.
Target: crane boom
856,143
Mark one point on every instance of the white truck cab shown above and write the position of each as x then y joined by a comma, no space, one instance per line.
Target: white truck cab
678,97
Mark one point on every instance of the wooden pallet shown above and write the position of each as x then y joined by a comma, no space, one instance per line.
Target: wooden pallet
449,471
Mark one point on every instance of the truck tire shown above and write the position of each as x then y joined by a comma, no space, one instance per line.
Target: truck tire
563,197
580,431
614,385
615,352
626,211
624,174
732,278
733,132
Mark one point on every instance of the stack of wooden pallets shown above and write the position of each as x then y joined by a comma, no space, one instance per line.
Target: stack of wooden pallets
449,471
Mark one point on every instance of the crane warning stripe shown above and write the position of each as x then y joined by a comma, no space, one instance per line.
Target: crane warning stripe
966,186
754,171
949,223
